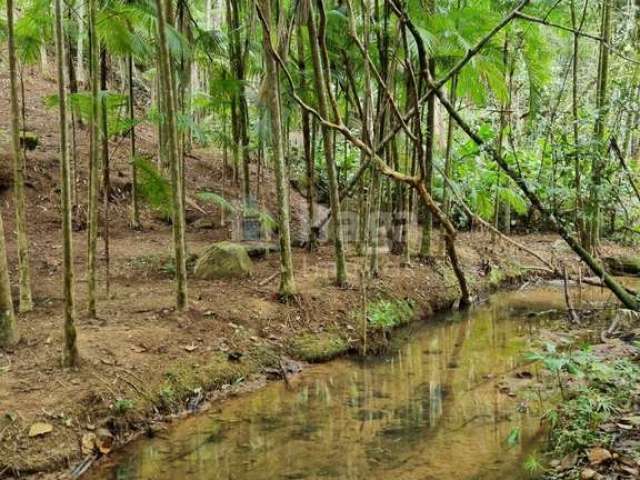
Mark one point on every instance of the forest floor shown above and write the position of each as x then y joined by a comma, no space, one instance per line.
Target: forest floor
141,361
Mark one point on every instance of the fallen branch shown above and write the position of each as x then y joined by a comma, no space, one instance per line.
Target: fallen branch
270,278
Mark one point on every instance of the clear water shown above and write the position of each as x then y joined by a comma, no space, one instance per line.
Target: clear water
429,411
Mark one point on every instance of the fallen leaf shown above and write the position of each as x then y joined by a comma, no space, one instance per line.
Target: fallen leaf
599,455
569,461
40,428
190,348
624,426
104,440
634,472
88,443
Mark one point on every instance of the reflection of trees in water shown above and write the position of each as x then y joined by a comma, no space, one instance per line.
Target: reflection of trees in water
407,417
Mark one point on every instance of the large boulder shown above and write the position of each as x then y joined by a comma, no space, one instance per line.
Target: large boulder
223,260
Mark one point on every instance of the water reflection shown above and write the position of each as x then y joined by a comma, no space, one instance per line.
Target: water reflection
430,411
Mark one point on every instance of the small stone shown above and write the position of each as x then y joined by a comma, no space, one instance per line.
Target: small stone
587,474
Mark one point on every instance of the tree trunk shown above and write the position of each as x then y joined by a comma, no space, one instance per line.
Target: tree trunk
237,63
312,241
70,356
598,162
287,284
168,93
26,303
106,182
80,43
135,209
579,215
321,84
94,161
8,334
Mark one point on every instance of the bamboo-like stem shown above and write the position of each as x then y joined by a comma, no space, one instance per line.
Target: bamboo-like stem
71,356
22,239
168,93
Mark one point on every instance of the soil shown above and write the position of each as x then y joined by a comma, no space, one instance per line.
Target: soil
141,361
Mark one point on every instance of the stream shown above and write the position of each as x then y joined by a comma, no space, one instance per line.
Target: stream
430,410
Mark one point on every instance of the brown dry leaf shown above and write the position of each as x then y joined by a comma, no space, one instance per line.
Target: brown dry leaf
39,429
634,472
569,461
599,455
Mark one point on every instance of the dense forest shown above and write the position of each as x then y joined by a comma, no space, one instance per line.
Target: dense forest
259,184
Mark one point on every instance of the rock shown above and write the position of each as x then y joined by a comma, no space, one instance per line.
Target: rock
204,224
588,474
29,140
223,260
258,249
599,455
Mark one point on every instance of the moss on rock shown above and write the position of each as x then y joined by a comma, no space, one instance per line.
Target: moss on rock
318,347
223,260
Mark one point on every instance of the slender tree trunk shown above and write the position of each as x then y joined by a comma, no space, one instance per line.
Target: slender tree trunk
8,333
106,182
168,92
135,209
312,241
80,42
26,303
598,163
427,228
374,229
94,160
287,283
71,356
448,161
321,84
579,215
238,65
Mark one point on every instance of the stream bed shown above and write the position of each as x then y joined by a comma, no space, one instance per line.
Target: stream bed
430,410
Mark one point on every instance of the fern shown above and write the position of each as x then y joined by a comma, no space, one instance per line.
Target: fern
217,200
153,187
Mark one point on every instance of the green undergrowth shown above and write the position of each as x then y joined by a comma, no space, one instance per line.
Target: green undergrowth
595,394
389,314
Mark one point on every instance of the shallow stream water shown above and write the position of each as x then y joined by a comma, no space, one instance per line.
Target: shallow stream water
429,411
